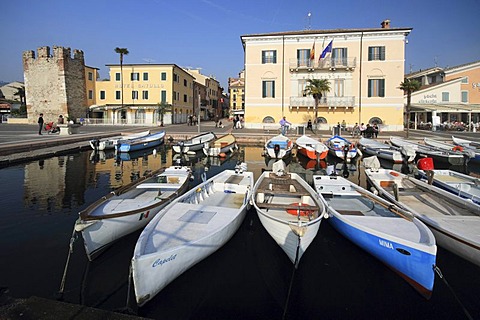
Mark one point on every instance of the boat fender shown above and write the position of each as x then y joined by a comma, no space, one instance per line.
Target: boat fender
352,146
393,173
298,211
457,148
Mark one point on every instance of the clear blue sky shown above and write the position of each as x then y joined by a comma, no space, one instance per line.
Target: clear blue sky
206,33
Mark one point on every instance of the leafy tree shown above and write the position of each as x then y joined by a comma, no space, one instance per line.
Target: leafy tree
408,86
121,52
316,88
162,109
20,93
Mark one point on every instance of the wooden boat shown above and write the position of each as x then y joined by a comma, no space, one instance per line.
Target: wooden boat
148,141
129,208
427,151
460,184
389,233
342,148
187,231
101,145
468,145
385,151
311,148
289,209
449,147
454,221
194,144
220,146
278,147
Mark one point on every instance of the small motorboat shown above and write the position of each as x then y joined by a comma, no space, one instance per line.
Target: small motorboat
389,233
194,144
220,146
289,209
190,229
311,148
386,151
129,208
454,221
468,145
107,144
342,148
449,147
278,147
148,141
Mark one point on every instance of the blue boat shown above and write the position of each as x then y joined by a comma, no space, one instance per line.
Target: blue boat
389,233
148,141
341,147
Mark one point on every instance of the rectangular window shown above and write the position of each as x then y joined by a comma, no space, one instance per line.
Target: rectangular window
376,87
175,77
185,82
465,96
465,80
268,89
174,95
445,96
269,56
117,76
102,95
376,53
145,76
163,96
145,95
135,95
303,57
118,95
163,76
339,57
90,94
90,76
338,87
135,76
185,99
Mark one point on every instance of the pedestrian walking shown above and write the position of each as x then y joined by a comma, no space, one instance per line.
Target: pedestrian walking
285,125
40,124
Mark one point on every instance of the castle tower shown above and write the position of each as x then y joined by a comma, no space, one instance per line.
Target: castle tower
54,84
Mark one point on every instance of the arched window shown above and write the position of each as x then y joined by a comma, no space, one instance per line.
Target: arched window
376,120
268,119
140,116
322,120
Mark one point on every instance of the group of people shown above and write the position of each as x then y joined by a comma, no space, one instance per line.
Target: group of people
192,120
41,124
238,122
367,131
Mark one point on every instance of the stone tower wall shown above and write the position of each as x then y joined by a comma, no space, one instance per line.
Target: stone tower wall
54,83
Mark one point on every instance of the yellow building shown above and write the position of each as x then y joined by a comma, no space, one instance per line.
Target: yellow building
145,86
363,66
236,89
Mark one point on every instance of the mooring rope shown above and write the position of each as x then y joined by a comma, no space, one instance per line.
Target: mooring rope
64,277
440,274
295,266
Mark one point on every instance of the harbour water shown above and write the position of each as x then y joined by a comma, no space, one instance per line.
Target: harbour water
248,278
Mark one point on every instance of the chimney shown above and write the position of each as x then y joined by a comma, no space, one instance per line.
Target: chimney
385,24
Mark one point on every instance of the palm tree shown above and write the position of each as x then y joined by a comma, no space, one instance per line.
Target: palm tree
408,86
316,88
163,108
121,52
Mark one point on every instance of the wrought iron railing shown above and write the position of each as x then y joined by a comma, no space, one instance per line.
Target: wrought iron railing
309,102
326,64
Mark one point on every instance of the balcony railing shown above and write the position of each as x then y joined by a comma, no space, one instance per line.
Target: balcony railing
324,102
323,64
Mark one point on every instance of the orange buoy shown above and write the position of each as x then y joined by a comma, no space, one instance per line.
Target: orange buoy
295,212
222,155
457,148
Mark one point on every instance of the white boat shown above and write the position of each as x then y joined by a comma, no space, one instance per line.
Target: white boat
386,151
449,147
454,221
427,151
342,148
278,147
129,208
311,148
460,184
468,145
101,145
194,144
187,231
389,233
141,143
220,146
289,209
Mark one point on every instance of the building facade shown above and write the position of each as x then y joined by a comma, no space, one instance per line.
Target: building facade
55,83
236,90
447,98
364,68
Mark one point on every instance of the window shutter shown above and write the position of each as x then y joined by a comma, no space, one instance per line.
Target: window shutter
273,89
264,89
382,53
274,56
382,88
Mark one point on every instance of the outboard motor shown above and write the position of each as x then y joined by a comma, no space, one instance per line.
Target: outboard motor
96,144
276,150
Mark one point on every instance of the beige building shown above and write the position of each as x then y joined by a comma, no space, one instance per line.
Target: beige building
364,68
236,90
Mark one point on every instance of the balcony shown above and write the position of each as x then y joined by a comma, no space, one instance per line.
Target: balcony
324,103
332,64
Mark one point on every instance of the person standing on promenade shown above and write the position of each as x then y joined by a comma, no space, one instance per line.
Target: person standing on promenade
40,124
284,124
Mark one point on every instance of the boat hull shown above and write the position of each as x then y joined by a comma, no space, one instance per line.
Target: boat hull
312,154
150,141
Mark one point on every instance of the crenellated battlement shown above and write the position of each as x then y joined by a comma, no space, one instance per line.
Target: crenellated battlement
45,53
